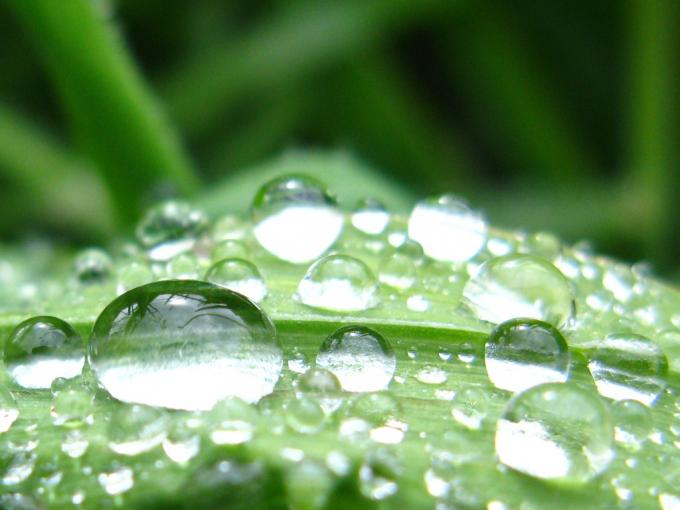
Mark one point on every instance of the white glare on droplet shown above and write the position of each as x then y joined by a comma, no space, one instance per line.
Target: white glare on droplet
370,216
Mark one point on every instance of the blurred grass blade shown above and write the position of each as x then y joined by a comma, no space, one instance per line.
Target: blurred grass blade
53,184
115,117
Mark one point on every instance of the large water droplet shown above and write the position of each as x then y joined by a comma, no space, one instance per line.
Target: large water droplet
240,276
447,229
370,216
41,349
521,353
340,283
135,429
9,412
184,345
627,366
519,286
169,229
360,358
556,431
296,218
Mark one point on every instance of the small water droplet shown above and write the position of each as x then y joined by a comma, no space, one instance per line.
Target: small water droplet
556,431
339,283
183,442
470,407
632,423
92,266
9,412
361,358
117,481
235,421
398,270
170,228
240,276
323,386
184,345
431,375
305,415
519,286
378,476
229,249
135,429
19,467
521,353
627,366
308,486
370,216
132,274
75,443
71,402
447,229
41,349
418,303
184,266
229,227
296,218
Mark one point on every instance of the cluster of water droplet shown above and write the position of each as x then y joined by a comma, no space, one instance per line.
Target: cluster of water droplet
435,350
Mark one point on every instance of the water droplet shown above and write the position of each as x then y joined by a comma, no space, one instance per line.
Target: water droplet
470,407
519,286
117,481
240,276
447,229
308,485
132,274
170,228
305,415
92,266
19,468
370,216
75,443
183,442
431,375
184,345
41,349
627,366
9,412
417,303
632,423
339,283
398,270
323,386
359,357
135,429
71,402
376,408
378,476
184,266
296,218
229,249
521,353
556,431
236,421
229,227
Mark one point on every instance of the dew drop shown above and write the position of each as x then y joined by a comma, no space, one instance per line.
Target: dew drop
229,249
296,218
235,420
627,367
378,476
184,345
431,375
134,429
470,407
71,402
632,423
519,286
370,216
240,276
323,386
418,303
447,229
184,266
92,266
305,415
339,283
521,353
308,486
182,442
398,270
376,408
131,275
556,431
117,481
361,358
170,228
75,443
41,349
9,412
19,468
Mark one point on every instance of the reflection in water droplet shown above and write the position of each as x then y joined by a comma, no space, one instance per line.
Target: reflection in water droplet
632,423
521,353
627,366
556,431
41,349
296,219
240,276
184,345
135,429
447,229
519,286
339,283
469,407
170,228
360,358
117,481
9,412
93,265
370,216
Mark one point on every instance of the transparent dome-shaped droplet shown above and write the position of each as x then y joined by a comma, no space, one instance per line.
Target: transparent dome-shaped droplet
431,375
519,286
229,249
229,227
398,270
305,415
41,349
323,386
627,367
132,274
9,412
184,266
308,485
182,442
556,431
521,353
170,228
240,276
75,443
447,229
134,429
339,283
117,481
184,345
361,358
18,468
632,423
370,216
296,218
71,402
234,421
378,476
93,266
470,407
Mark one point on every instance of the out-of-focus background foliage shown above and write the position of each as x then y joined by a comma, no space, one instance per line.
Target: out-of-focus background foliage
550,115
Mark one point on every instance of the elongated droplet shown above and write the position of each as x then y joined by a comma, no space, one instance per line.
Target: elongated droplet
359,357
184,345
41,349
556,431
519,286
447,229
370,216
9,412
296,218
169,229
627,366
339,283
240,276
521,353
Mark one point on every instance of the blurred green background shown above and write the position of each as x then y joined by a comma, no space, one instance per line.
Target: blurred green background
559,115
